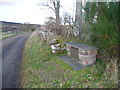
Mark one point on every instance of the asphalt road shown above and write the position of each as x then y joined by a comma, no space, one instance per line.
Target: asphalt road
12,51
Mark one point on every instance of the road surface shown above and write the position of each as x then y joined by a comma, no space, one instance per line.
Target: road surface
12,50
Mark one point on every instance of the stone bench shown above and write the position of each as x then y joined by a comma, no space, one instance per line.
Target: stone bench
84,54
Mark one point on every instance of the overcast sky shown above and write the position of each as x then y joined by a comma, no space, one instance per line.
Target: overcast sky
29,11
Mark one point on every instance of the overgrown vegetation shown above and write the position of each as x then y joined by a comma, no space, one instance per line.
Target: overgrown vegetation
104,21
42,69
99,27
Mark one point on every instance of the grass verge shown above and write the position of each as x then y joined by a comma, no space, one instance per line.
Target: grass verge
42,69
9,35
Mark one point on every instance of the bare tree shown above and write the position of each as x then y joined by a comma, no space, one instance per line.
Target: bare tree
68,19
56,8
65,18
50,23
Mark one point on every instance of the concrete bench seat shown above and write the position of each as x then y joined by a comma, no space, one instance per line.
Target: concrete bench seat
84,54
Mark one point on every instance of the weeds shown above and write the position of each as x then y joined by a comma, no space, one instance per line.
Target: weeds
42,69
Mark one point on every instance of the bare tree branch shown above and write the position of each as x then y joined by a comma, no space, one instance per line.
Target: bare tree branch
47,5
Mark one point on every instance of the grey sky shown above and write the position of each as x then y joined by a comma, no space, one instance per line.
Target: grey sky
28,10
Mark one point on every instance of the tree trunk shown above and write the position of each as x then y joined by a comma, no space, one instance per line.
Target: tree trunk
56,4
78,17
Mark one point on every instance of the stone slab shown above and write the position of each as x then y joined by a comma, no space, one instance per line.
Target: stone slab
72,62
81,46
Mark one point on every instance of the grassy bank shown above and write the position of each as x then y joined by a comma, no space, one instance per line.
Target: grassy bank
42,69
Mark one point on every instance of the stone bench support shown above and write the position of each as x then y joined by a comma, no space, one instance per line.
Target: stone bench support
85,54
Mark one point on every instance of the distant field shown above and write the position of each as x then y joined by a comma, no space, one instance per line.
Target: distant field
4,35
